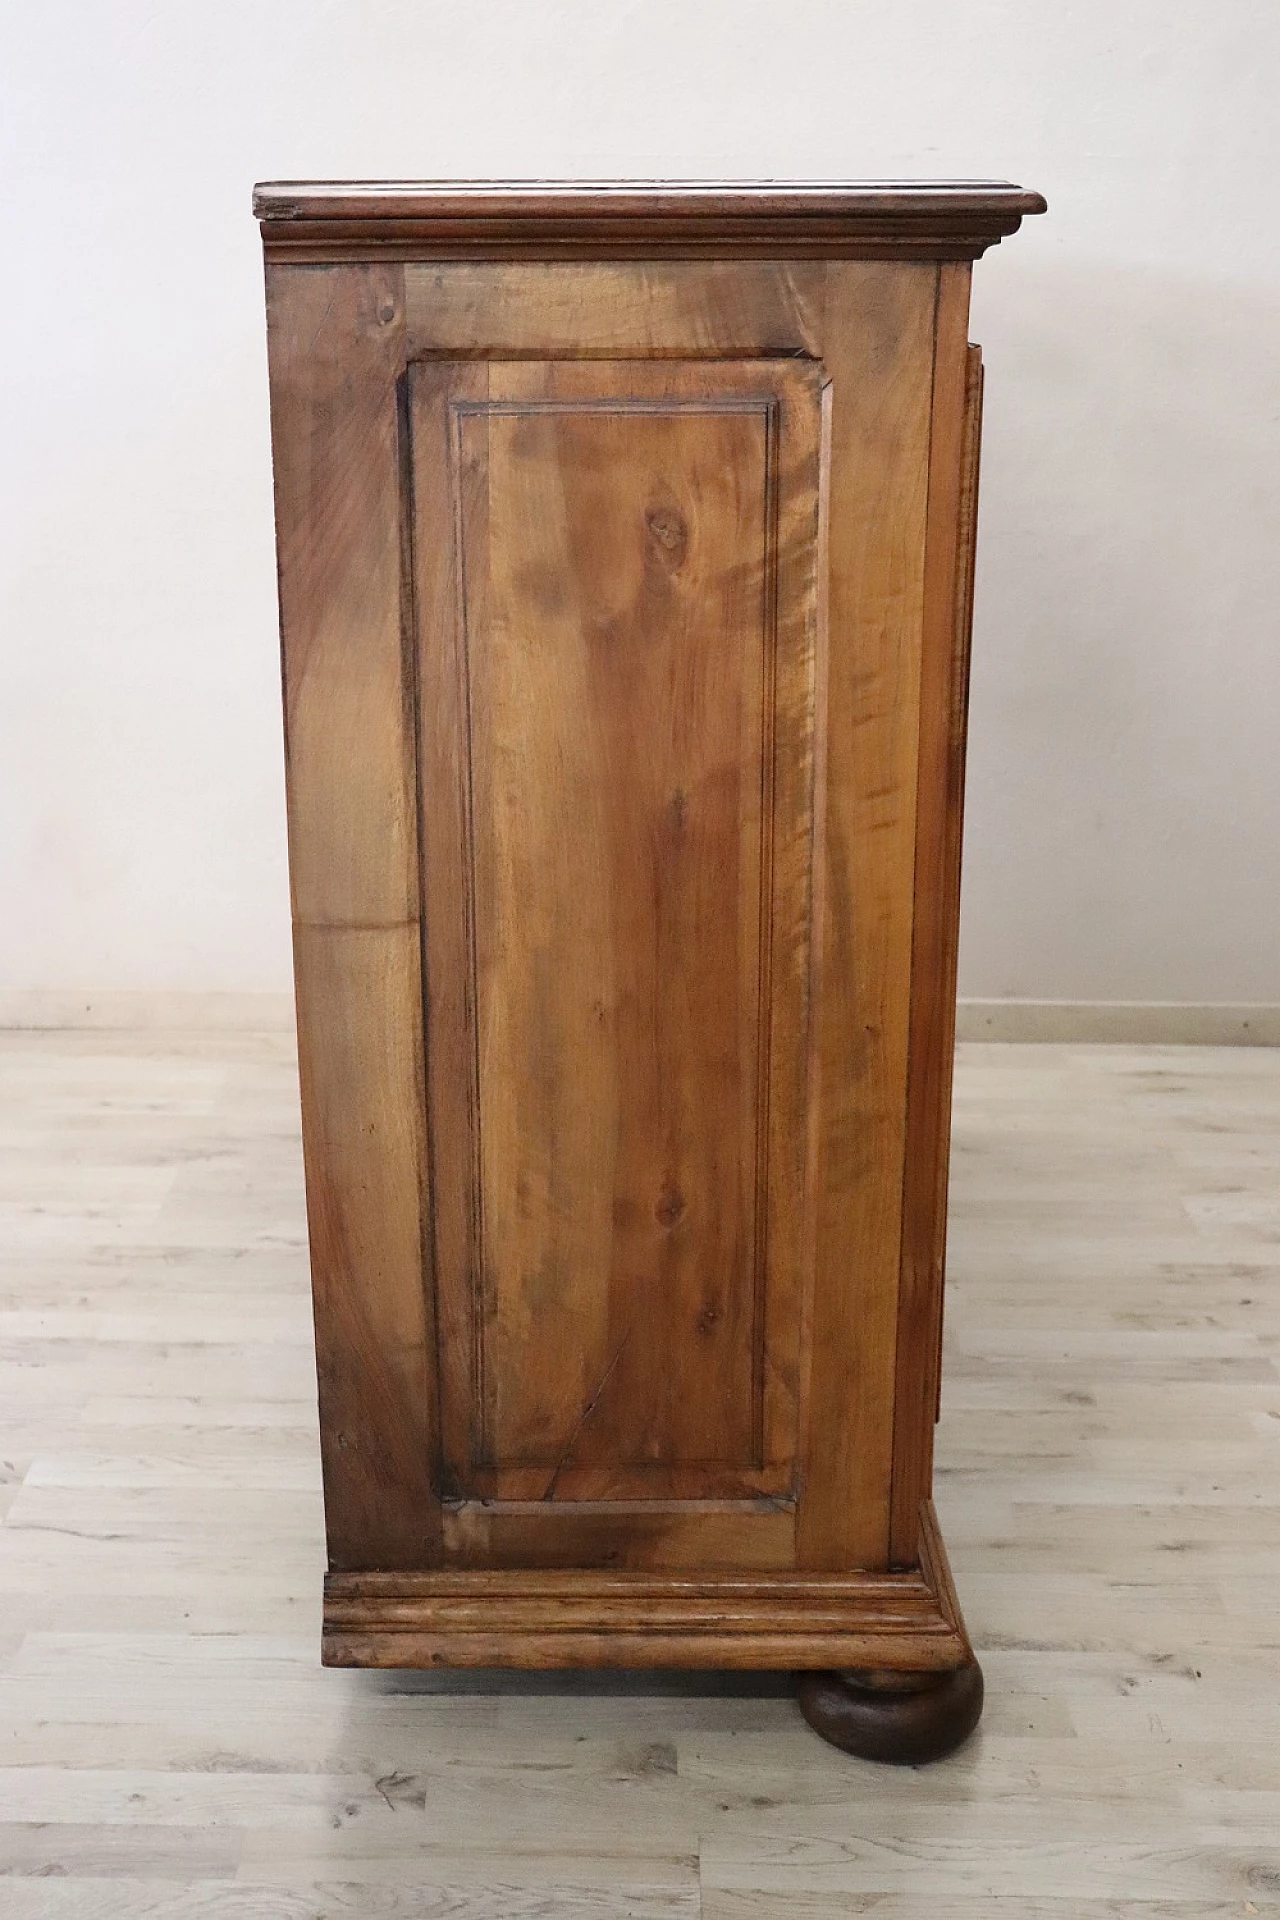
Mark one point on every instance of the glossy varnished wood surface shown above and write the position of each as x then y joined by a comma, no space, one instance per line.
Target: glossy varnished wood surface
170,1746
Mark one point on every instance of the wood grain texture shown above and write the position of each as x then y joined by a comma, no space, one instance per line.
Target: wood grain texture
173,1749
360,1062
620,723
683,309
336,344
878,347
953,443
943,220
556,1618
652,1535
620,822
624,605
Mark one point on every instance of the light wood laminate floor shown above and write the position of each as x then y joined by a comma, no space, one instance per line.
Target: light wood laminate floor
1109,1479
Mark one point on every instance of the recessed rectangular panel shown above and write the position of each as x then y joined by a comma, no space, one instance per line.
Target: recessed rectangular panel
617,603
617,652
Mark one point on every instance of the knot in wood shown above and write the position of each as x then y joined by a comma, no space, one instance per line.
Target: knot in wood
669,531
670,1207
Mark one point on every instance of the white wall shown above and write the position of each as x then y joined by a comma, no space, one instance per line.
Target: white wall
1124,794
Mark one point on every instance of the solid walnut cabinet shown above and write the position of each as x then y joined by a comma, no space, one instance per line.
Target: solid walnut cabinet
625,548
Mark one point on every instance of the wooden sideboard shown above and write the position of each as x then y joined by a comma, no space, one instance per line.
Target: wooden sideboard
625,545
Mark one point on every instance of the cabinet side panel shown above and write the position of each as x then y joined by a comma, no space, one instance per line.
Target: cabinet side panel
617,709
359,1054
618,629
878,351
336,346
336,338
953,472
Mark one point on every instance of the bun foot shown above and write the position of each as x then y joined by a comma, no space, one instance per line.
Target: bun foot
904,1719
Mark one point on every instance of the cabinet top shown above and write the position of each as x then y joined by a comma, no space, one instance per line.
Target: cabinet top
527,219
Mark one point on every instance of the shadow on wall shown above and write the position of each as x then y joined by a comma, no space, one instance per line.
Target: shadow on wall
1124,808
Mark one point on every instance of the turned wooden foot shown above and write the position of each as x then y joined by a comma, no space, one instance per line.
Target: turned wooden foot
905,1719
